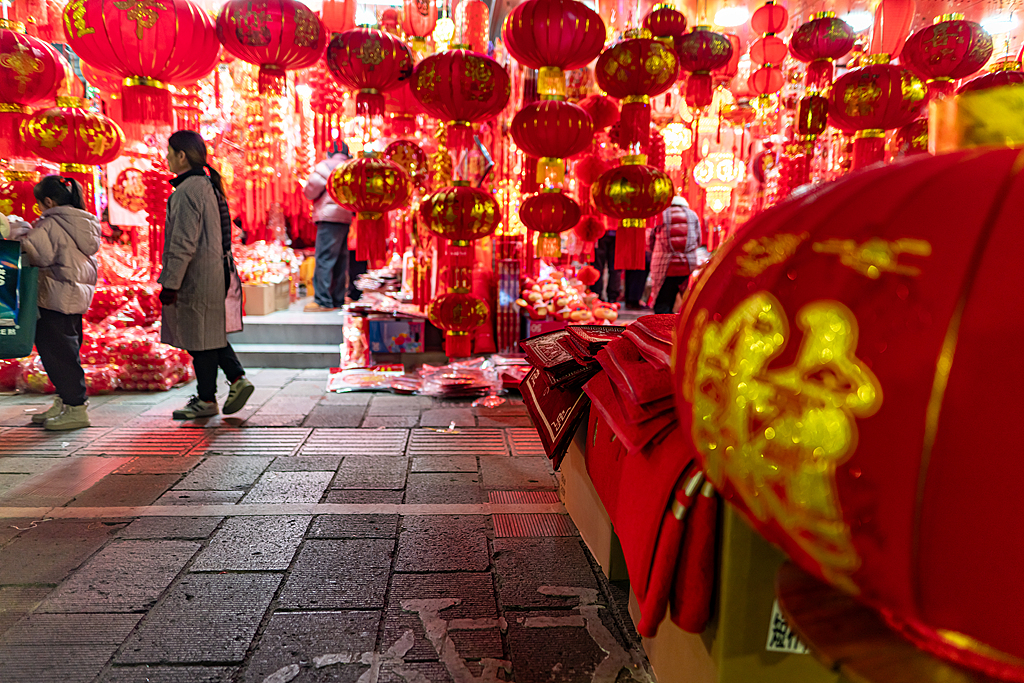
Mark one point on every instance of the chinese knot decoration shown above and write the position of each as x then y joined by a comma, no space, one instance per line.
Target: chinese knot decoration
768,51
551,131
371,187
460,213
149,43
632,193
30,73
634,71
275,34
553,36
371,62
458,313
700,52
549,213
946,51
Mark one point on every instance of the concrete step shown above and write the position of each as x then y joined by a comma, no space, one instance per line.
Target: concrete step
287,355
292,326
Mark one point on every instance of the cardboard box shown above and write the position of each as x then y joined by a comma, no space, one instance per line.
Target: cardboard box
283,295
396,335
259,299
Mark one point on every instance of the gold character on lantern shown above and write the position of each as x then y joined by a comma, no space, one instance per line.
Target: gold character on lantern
760,254
49,131
142,12
251,25
74,20
876,255
307,28
860,99
23,64
371,53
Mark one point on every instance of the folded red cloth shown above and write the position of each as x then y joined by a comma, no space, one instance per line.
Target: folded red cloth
695,577
606,456
634,376
652,335
634,435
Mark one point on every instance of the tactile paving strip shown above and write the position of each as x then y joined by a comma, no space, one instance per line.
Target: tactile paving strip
145,442
520,525
522,497
524,442
356,442
36,441
270,441
471,441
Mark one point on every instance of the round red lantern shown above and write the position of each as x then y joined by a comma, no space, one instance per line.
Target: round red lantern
836,381
769,18
16,197
549,213
30,73
370,61
700,52
553,36
551,131
401,109
410,157
948,50
461,87
818,42
768,50
418,22
389,21
632,193
369,186
634,71
725,73
457,313
460,213
472,21
602,109
1009,73
766,80
588,231
666,23
149,44
873,99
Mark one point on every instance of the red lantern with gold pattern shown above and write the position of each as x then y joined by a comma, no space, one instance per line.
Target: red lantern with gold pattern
338,15
549,213
460,213
725,73
848,372
461,87
946,51
457,313
277,35
634,71
817,43
1008,73
666,23
149,44
418,22
632,193
551,131
16,196
700,52
873,99
369,186
370,61
410,157
553,36
30,73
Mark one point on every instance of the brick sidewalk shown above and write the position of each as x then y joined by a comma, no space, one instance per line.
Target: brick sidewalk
311,537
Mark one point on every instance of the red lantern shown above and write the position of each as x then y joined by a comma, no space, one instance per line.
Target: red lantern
472,21
553,36
149,44
104,81
667,24
389,22
700,52
457,313
913,138
769,18
461,87
549,213
632,193
53,30
1008,74
371,187
16,197
418,22
30,73
871,100
766,80
410,157
338,16
836,376
768,50
371,62
460,213
948,50
634,71
551,131
893,19
602,109
588,231
725,73
818,42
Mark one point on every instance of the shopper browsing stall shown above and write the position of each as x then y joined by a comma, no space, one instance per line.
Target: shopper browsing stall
332,225
677,253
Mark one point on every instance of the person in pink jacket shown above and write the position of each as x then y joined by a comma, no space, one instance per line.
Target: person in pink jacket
334,267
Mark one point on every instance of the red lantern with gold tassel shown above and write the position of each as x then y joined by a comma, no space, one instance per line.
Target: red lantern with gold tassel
30,73
666,24
946,51
818,43
418,22
460,213
338,15
276,35
552,131
458,313
632,193
549,213
369,186
371,62
700,52
634,71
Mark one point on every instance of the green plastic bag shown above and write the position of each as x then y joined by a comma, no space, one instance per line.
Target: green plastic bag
18,312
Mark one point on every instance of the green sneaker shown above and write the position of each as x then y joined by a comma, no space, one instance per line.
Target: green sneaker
53,411
195,409
72,417
240,391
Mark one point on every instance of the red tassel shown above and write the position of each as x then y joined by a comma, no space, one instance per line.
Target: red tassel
630,248
458,345
635,123
10,135
371,245
146,104
867,151
369,104
460,136
272,80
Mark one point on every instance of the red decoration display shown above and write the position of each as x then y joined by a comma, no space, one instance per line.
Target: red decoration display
461,87
149,44
632,193
700,52
278,35
666,23
338,15
549,214
893,19
371,62
472,21
458,313
551,131
634,71
817,43
418,22
460,213
946,51
30,73
371,187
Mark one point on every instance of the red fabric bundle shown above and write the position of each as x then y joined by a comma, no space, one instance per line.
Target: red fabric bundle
652,335
604,464
633,435
639,381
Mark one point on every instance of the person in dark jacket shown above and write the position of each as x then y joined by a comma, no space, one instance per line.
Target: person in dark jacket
331,271
677,253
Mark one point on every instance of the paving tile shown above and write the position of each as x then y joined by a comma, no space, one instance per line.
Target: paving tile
103,585
289,487
339,574
306,463
9,528
288,405
525,564
381,442
208,618
460,442
398,405
351,398
354,526
525,441
113,415
263,441
318,374
504,420
224,473
12,481
297,639
335,416
49,552
444,417
370,472
260,420
17,601
390,421
443,543
59,484
300,387
19,465
37,442
273,377
253,544
444,488
125,490
343,497
499,472
170,528
149,465
200,498
445,463
135,442
169,674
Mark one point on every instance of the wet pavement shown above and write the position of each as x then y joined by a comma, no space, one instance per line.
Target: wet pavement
310,537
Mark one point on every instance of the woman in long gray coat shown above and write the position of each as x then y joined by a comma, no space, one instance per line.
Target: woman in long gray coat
193,287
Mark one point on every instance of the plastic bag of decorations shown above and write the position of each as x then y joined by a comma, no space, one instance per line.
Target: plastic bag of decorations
470,378
377,378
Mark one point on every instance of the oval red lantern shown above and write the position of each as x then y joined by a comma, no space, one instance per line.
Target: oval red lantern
700,52
149,44
277,35
410,157
371,62
817,43
836,382
460,213
948,50
1009,74
871,100
30,73
769,18
766,80
634,71
549,214
369,186
602,109
418,22
461,87
666,23
551,131
553,36
457,313
472,20
768,50
725,73
632,193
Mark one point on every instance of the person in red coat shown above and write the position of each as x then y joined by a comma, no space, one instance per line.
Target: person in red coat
678,252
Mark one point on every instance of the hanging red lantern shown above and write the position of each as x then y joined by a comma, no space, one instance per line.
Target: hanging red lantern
551,131
107,83
338,16
460,213
946,51
768,49
150,45
700,52
1007,73
370,187
553,36
401,109
460,88
588,231
472,21
725,73
666,24
632,193
549,213
766,80
388,22
457,313
410,157
53,30
873,99
893,19
418,22
818,43
16,194
602,109
30,73
633,71
912,138
370,61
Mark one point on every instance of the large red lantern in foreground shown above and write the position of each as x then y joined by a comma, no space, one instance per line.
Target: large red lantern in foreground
551,131
457,313
549,214
371,62
149,44
634,71
30,73
461,87
848,366
700,52
946,51
371,187
632,193
460,213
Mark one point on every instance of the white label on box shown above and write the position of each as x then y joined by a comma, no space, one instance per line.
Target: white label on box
780,636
